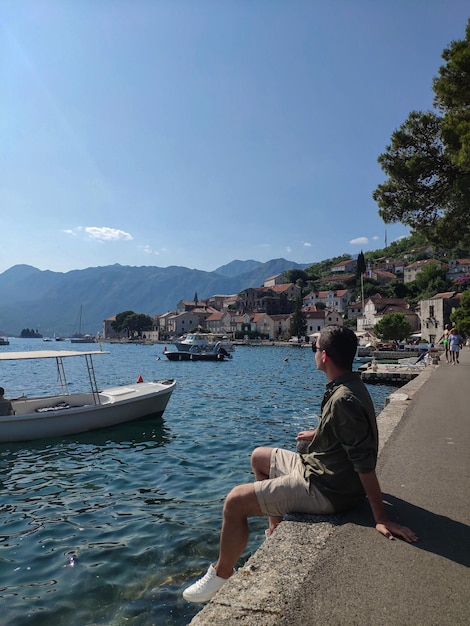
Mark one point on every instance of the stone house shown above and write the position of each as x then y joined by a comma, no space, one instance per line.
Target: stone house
161,322
316,320
278,279
354,309
381,276
336,300
459,269
181,323
221,302
221,322
274,300
347,266
108,330
435,314
376,307
279,326
271,326
342,279
413,269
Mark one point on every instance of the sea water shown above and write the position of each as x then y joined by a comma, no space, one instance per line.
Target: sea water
108,527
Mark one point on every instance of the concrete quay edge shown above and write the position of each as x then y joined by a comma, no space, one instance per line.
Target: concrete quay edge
273,586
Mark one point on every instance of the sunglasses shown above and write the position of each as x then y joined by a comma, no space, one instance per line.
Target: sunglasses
315,348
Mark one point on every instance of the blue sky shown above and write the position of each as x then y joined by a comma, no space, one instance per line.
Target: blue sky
193,133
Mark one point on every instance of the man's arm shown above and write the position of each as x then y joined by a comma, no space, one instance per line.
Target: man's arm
382,523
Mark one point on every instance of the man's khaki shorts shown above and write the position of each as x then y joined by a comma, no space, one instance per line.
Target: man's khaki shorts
286,490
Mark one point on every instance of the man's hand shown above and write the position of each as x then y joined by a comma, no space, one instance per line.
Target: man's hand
391,530
306,435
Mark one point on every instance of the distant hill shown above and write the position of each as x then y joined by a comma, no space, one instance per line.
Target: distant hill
235,268
50,301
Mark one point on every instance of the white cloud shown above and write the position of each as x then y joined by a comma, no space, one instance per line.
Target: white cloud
288,249
375,237
307,244
361,241
104,233
148,250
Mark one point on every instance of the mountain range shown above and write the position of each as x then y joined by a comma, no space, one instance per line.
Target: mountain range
51,302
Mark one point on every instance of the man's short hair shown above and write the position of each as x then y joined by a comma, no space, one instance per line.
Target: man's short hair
340,344
2,391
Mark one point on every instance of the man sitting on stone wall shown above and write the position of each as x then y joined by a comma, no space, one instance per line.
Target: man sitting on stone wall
335,473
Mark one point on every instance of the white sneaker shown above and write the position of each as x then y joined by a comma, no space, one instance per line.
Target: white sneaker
204,588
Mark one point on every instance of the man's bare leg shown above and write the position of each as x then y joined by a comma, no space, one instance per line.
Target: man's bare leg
240,504
261,464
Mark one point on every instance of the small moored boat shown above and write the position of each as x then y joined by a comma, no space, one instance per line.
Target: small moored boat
203,341
218,353
67,413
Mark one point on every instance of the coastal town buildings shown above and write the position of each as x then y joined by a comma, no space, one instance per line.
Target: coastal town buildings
266,311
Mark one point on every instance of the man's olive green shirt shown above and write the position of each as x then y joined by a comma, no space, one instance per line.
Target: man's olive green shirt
345,444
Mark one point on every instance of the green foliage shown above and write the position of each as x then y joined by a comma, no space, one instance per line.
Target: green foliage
324,267
431,280
30,334
398,289
298,326
132,323
452,98
461,315
361,264
428,160
119,323
295,275
393,327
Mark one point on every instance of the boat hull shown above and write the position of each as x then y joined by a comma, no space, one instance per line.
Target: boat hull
46,417
182,355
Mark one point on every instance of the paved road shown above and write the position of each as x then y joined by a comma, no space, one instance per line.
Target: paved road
346,573
426,466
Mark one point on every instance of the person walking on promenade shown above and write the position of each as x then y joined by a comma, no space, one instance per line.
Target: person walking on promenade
455,344
336,472
445,341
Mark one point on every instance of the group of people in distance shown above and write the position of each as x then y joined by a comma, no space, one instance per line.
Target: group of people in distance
335,473
453,343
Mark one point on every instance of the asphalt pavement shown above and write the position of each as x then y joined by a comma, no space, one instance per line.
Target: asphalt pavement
338,570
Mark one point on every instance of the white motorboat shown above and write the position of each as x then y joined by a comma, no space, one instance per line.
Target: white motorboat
195,353
67,413
203,341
